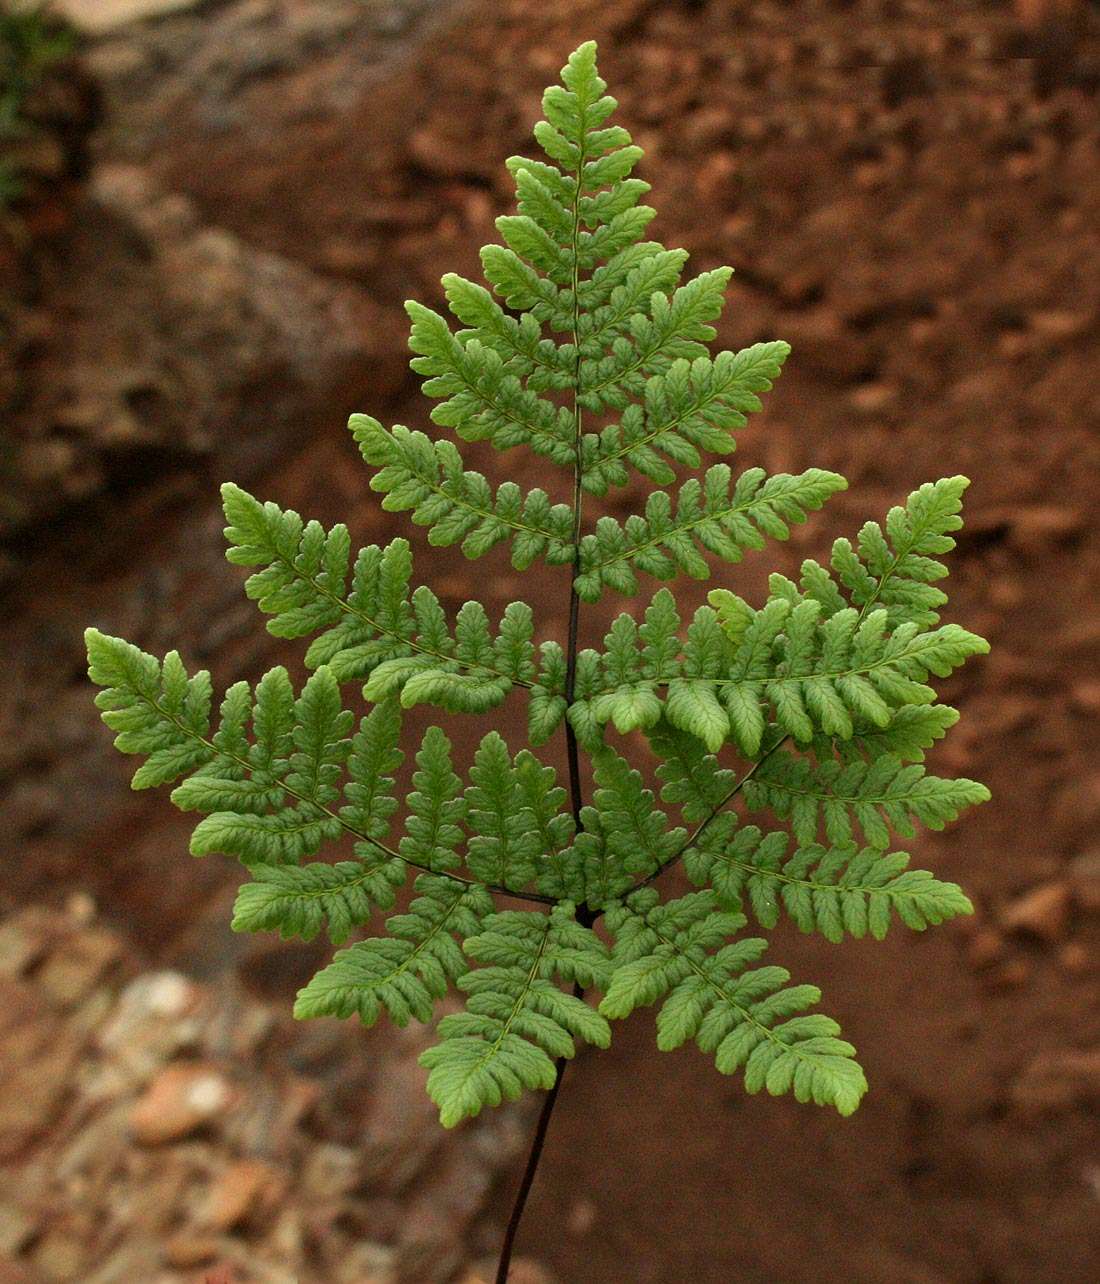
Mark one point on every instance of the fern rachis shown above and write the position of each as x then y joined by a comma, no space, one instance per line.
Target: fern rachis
790,734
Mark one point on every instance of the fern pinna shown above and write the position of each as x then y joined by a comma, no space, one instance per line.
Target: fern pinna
812,709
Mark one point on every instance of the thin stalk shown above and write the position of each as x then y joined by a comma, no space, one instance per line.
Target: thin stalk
572,751
533,1157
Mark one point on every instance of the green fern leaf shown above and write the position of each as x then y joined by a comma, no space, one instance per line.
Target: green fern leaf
398,640
876,796
517,1021
834,891
459,505
505,847
718,516
681,953
407,972
588,346
298,900
895,569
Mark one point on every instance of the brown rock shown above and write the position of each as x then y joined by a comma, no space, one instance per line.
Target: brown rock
73,970
24,939
1041,912
16,1228
1085,695
400,1135
872,398
1012,975
240,1190
330,1171
1074,958
1037,528
1077,807
1058,1081
187,1250
1084,881
582,1217
180,1100
523,1270
60,1255
97,17
985,948
367,1264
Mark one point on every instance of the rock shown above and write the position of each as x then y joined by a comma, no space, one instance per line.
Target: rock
1074,958
16,1228
872,398
522,1270
187,1250
75,968
581,1217
1041,912
1058,1081
22,941
367,1264
1077,807
60,1255
1084,881
1084,696
330,1171
1011,975
400,1135
37,1059
154,1019
1058,324
1039,528
179,1101
985,948
99,17
239,1191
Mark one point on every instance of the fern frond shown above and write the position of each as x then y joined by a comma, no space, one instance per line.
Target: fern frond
912,729
635,831
692,778
299,900
379,630
517,1021
407,972
428,477
156,709
675,328
505,847
273,798
741,667
482,400
895,569
694,407
833,891
589,347
680,953
878,796
718,516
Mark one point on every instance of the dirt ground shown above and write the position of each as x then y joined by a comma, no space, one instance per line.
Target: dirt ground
910,194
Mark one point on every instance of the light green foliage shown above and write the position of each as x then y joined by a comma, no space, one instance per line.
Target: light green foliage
680,953
407,972
719,516
834,892
517,1020
811,710
874,795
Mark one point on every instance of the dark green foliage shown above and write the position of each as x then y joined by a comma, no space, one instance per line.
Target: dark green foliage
812,710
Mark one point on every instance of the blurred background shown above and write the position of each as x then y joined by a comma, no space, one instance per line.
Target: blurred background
210,214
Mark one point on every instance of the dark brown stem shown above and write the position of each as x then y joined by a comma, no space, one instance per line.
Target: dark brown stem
532,1165
584,915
